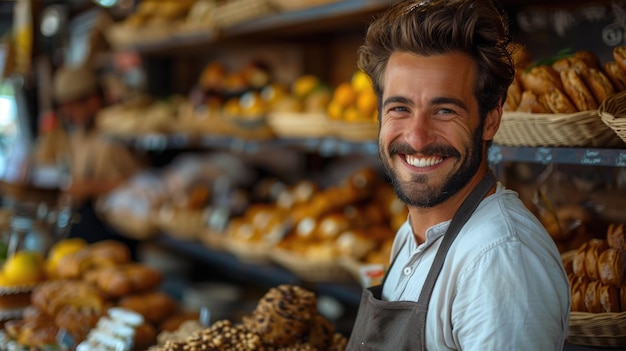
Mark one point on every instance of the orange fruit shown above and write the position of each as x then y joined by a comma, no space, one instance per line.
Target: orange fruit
367,102
344,95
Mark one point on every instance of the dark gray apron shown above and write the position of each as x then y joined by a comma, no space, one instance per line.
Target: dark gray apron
401,325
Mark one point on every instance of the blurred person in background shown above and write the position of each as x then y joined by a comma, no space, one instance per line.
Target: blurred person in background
95,164
472,268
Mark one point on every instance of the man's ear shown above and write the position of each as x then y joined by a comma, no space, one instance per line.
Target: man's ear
492,123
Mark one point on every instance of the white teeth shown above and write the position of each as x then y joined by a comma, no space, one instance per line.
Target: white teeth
423,161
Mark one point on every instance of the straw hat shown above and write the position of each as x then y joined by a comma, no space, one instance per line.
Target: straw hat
72,83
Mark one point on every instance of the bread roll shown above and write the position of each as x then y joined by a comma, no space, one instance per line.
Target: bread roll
513,95
570,62
574,86
619,55
540,79
154,306
520,54
592,297
579,290
616,75
118,281
598,83
616,236
594,249
588,57
558,102
609,298
531,103
578,263
612,266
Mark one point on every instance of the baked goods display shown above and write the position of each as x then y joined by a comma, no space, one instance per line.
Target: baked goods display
308,228
89,287
596,272
576,82
555,102
285,318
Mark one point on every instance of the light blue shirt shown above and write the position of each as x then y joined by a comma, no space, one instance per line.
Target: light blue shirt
502,286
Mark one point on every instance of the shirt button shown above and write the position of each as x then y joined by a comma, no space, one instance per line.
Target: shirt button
407,270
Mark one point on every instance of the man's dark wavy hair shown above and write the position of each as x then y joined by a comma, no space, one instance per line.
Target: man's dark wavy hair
478,28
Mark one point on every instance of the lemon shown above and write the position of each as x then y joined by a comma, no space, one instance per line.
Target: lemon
24,267
361,81
304,85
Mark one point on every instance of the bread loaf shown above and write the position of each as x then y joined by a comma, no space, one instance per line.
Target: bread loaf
594,248
574,86
612,266
598,83
540,79
616,75
154,306
592,297
616,236
121,280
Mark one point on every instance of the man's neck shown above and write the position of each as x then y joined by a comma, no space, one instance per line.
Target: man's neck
423,218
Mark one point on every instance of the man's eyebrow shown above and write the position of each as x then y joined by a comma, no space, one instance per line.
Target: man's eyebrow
448,100
397,99
442,100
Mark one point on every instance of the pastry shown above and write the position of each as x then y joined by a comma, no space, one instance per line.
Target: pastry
513,95
121,280
520,55
592,297
558,102
609,298
578,92
579,289
588,57
619,55
154,306
616,75
578,263
616,236
540,79
598,83
612,266
594,248
531,103
283,315
321,333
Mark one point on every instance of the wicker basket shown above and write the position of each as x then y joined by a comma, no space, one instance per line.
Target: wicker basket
310,270
233,12
595,329
356,131
613,113
292,5
577,129
299,125
252,252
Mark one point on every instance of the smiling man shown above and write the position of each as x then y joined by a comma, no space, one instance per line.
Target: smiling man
471,268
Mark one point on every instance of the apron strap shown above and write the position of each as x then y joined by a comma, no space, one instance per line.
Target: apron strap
461,216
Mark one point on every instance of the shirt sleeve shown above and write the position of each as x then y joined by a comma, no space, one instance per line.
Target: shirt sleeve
511,299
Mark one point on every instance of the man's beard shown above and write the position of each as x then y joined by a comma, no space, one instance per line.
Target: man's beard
428,195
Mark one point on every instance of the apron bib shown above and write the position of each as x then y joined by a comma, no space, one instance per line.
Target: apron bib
401,325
